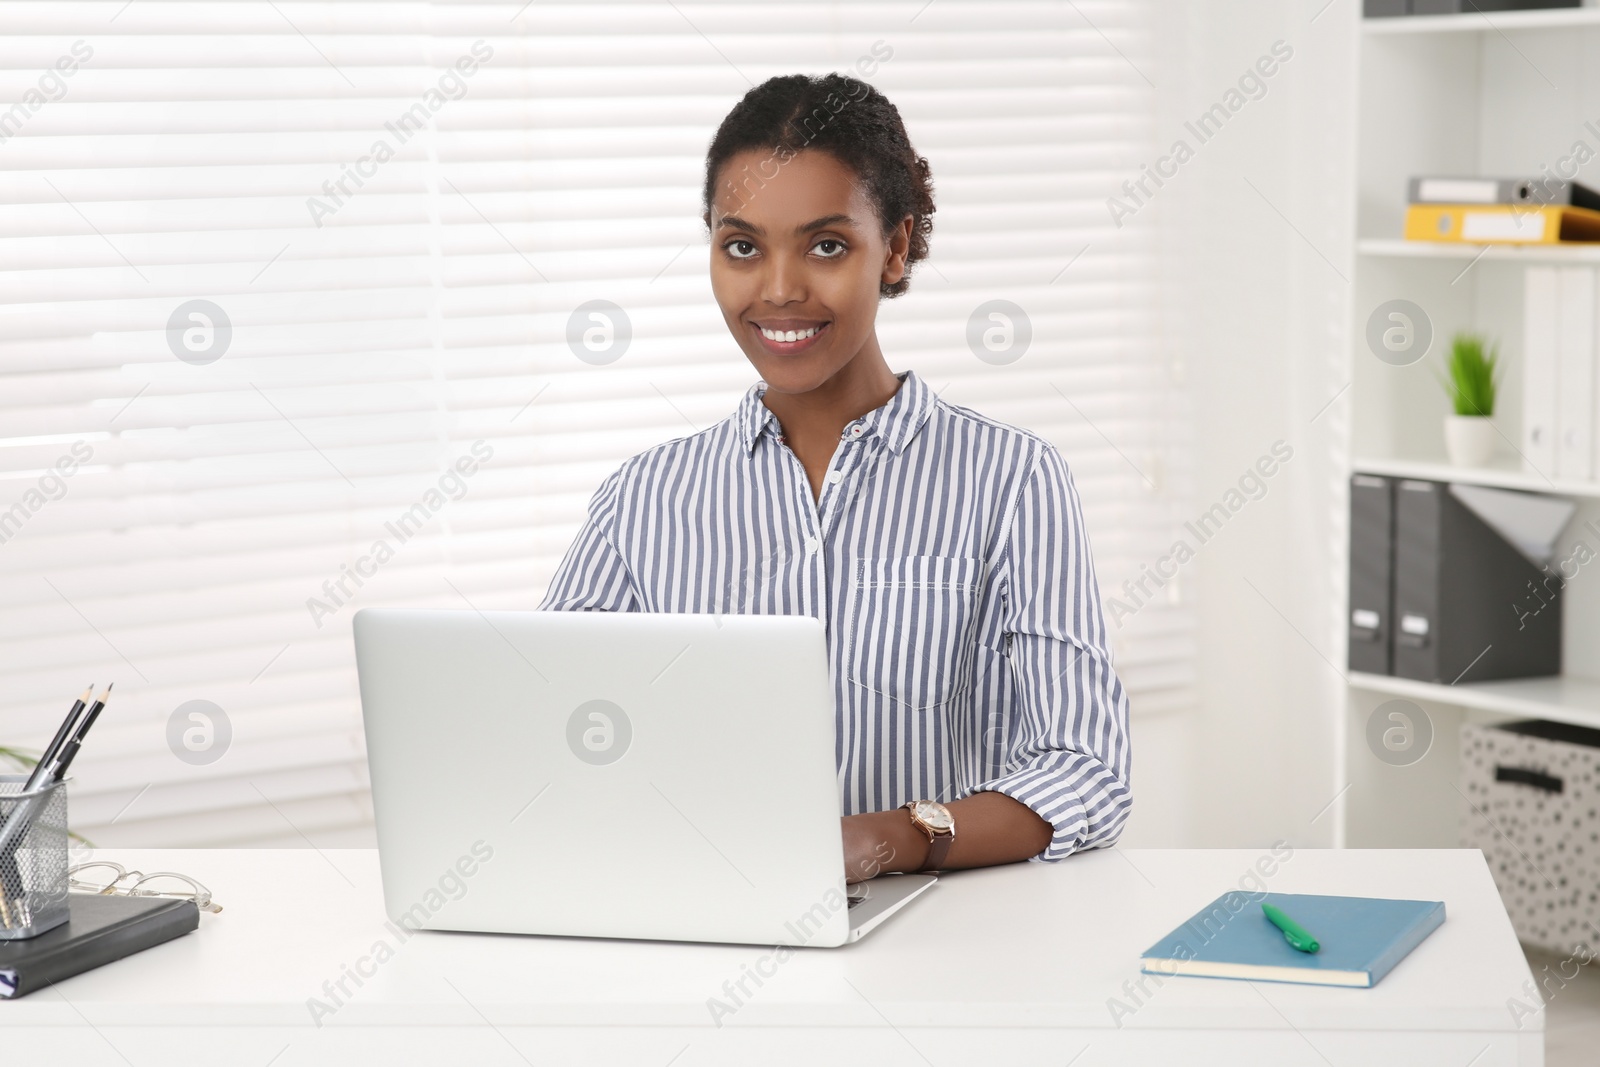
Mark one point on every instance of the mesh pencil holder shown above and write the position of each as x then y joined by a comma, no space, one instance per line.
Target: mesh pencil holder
33,857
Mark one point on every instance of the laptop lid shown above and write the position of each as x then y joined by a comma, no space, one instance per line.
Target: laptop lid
615,774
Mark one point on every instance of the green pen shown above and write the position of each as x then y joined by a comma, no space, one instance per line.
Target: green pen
1293,932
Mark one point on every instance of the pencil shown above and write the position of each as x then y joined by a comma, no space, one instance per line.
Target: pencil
41,768
70,749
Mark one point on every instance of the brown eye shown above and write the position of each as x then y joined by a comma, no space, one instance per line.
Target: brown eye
739,248
829,248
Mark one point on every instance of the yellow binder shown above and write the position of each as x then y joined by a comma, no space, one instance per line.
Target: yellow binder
1501,223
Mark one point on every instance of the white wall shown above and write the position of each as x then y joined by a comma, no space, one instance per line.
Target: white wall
1259,226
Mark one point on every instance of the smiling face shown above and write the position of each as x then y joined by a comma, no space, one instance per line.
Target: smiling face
796,265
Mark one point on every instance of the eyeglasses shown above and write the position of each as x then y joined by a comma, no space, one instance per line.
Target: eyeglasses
103,876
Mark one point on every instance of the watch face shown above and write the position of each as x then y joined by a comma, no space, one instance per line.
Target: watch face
936,816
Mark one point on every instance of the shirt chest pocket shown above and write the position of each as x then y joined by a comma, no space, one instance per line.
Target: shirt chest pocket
911,626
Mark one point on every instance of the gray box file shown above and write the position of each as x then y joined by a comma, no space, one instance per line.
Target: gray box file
1459,595
1371,573
1454,7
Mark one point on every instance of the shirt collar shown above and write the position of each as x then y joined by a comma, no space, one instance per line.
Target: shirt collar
897,421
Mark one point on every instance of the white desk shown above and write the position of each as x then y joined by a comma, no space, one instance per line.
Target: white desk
1007,965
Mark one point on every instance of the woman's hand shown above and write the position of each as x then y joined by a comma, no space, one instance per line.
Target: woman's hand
881,841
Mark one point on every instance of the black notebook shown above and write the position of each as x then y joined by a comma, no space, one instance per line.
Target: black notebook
103,927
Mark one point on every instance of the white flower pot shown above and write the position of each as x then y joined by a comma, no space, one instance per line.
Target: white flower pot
1469,439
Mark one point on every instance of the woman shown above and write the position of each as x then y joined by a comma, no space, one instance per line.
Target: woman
979,718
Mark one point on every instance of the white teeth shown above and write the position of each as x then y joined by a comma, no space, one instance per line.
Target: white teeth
788,335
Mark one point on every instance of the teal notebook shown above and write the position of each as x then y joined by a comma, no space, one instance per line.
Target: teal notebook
1361,939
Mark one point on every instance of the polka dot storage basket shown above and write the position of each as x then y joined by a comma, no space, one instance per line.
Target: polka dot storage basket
1532,805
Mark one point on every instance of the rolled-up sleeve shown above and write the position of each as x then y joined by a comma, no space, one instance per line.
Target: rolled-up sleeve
593,575
1066,746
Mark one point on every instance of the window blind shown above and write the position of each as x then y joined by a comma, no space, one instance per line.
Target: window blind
288,290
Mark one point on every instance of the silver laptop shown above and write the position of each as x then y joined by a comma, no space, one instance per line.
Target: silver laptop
611,774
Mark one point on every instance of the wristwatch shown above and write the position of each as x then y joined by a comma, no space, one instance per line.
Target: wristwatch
935,820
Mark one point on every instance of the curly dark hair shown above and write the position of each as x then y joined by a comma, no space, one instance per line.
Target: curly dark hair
851,121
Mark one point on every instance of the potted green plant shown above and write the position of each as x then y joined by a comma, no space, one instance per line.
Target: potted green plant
1471,381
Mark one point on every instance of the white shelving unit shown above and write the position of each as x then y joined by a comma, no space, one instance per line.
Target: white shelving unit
1400,249
1563,698
1483,22
1505,474
1497,94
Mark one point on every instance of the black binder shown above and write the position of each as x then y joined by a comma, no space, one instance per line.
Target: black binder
1459,595
1371,573
103,928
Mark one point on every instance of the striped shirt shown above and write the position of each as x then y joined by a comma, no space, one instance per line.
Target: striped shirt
947,557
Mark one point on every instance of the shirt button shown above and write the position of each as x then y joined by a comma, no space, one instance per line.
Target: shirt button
812,544
835,477
855,431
